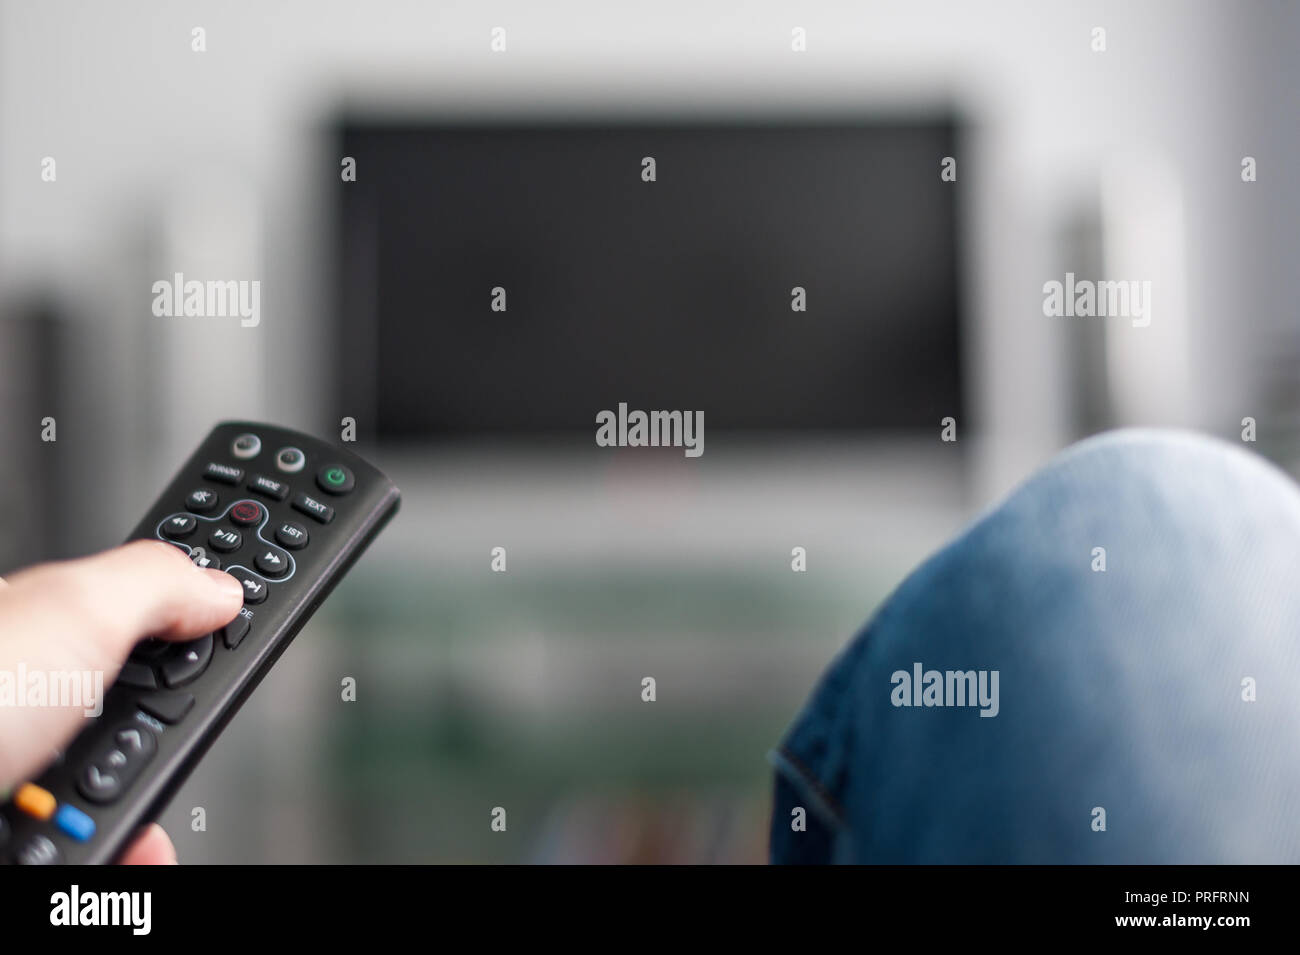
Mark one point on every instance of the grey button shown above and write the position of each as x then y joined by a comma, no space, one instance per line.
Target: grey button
290,460
38,850
246,446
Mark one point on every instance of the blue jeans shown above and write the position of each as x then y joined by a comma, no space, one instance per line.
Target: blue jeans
1027,697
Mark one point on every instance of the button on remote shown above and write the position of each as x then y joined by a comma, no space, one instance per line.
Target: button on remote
120,760
291,535
254,589
99,785
179,526
202,558
271,562
225,540
246,446
246,512
74,823
224,473
234,632
38,850
335,479
187,661
139,675
135,742
201,500
270,487
290,460
170,708
313,508
35,801
150,649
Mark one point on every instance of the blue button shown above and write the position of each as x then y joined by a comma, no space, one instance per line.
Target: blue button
75,823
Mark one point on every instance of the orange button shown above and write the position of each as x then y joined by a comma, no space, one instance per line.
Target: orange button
35,801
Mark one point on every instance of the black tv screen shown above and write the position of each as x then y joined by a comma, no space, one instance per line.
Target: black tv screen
675,293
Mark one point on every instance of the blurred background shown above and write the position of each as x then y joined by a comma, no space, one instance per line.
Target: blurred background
522,168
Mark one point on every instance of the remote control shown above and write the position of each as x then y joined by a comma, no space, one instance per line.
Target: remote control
283,513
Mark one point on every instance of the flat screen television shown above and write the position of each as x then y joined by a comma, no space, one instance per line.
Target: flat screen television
677,290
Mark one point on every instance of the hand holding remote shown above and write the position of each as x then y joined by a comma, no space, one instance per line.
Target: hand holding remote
87,614
238,551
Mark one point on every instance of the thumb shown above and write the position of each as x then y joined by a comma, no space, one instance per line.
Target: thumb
85,615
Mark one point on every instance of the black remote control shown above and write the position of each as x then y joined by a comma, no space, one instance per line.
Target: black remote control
283,513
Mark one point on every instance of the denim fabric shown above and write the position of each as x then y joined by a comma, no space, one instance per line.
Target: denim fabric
1120,690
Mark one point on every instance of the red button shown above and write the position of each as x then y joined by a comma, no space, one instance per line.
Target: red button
246,512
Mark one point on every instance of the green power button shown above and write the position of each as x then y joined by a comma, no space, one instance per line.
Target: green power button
335,479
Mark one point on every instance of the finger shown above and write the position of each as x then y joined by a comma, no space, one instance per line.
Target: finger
152,847
108,602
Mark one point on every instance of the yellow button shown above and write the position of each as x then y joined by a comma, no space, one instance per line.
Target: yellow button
35,801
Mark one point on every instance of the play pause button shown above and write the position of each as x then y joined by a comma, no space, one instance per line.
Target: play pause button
272,562
254,589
